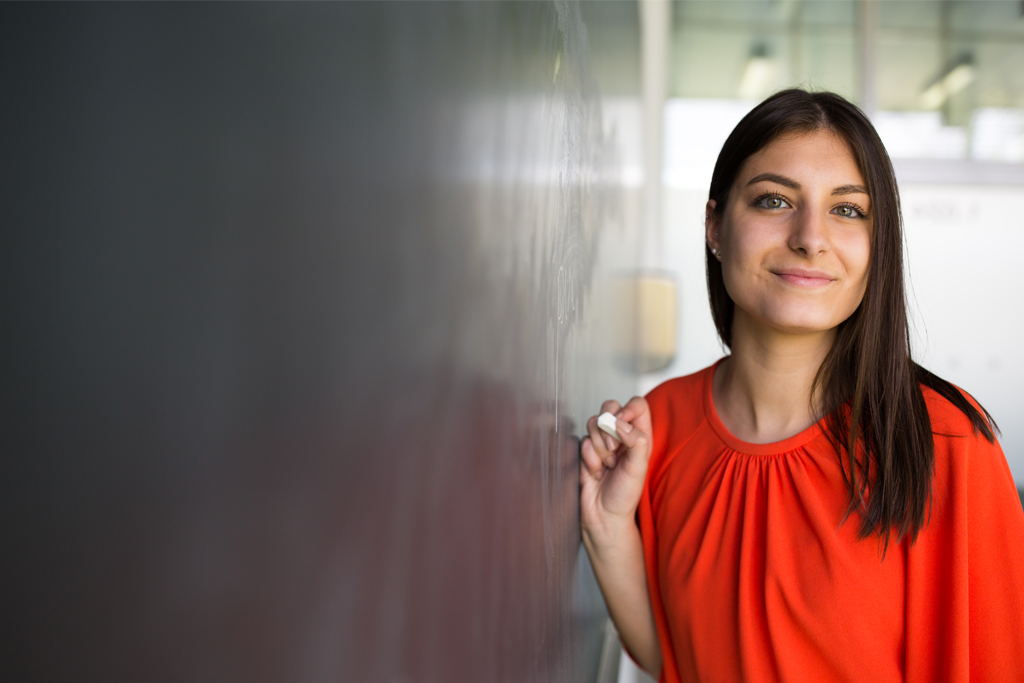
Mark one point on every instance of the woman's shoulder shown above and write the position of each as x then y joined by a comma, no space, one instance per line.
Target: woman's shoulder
949,421
678,408
677,415
686,393
961,449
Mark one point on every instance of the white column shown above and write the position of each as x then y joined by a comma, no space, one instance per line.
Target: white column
655,40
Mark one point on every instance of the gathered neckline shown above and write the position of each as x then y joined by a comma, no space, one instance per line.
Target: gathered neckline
747,447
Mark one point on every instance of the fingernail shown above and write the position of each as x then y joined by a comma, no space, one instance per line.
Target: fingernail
624,426
618,414
609,443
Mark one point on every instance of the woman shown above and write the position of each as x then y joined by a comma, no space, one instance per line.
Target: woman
815,506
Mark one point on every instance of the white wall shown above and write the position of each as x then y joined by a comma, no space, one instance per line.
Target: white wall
965,251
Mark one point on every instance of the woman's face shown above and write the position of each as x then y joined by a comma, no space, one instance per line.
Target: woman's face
795,236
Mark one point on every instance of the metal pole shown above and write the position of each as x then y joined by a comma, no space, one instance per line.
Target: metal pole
867,30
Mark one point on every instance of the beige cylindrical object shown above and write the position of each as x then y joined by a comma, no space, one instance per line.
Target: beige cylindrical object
646,315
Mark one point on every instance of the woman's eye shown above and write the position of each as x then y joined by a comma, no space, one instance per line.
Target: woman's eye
773,203
848,211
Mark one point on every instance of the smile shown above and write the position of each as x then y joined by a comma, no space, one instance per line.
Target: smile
804,278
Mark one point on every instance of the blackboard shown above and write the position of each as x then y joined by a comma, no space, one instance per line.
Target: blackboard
301,314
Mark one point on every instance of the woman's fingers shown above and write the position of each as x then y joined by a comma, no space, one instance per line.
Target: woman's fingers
610,407
591,460
598,439
637,413
634,407
636,440
599,448
631,436
588,497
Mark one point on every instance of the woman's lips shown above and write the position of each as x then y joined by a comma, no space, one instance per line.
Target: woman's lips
804,278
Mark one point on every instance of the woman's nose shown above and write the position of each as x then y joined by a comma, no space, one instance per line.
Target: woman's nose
809,233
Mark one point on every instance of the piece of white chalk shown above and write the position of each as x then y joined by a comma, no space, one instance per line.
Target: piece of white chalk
606,422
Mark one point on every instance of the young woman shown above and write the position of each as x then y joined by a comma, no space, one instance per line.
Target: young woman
815,506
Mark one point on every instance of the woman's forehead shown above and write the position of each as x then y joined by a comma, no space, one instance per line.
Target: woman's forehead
819,155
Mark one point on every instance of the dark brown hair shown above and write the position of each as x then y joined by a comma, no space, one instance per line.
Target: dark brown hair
868,387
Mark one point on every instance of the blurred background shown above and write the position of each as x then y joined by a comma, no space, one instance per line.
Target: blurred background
304,306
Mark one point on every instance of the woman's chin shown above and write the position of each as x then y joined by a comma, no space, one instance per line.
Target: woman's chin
800,322
804,329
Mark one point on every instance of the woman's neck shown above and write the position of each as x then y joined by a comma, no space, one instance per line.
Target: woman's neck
762,392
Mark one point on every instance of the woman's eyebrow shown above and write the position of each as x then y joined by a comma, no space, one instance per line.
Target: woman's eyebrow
776,178
794,185
850,189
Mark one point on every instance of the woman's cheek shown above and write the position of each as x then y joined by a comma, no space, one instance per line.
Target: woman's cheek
747,290
857,264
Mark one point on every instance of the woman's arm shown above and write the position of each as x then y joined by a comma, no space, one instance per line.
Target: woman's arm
612,479
965,571
618,562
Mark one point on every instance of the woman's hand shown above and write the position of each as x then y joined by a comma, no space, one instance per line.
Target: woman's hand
612,473
611,481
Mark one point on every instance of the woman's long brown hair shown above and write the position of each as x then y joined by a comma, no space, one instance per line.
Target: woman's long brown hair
868,387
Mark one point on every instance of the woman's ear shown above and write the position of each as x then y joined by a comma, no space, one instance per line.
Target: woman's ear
711,224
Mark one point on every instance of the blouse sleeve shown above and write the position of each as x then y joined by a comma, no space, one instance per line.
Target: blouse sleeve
965,573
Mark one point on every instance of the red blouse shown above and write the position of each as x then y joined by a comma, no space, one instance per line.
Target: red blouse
752,576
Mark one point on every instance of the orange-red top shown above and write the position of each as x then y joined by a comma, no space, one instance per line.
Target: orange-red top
753,577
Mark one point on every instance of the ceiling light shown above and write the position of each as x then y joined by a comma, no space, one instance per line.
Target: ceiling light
952,80
758,75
